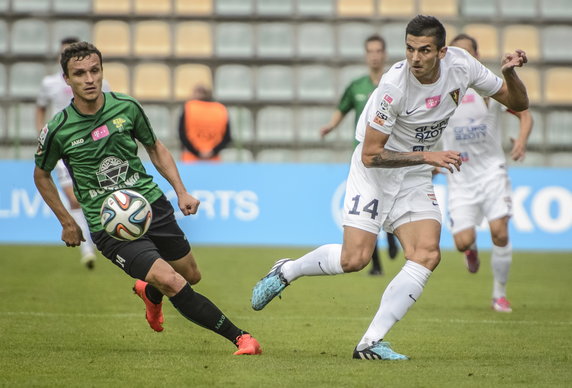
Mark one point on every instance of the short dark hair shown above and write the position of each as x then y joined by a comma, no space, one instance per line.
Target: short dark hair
69,40
375,38
78,50
423,25
463,36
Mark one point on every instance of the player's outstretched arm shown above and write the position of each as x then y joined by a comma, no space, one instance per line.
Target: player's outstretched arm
335,120
71,232
518,151
512,93
374,154
40,117
165,164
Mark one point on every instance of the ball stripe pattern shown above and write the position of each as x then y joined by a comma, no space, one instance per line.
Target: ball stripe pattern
126,215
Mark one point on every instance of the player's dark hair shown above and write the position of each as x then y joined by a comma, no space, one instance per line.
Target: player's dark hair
375,38
69,40
423,25
79,50
465,37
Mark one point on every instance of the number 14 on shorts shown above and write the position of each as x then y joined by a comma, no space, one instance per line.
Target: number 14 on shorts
370,207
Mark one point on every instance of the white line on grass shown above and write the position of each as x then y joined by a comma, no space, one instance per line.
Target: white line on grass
45,314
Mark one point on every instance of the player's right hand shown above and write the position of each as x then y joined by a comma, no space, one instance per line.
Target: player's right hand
518,149
72,235
450,160
325,130
188,204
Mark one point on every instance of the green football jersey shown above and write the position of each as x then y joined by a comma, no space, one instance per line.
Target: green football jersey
355,96
100,151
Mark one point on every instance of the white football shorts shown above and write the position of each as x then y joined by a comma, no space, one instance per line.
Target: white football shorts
374,198
490,197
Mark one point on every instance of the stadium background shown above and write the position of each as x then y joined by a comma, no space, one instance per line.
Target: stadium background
280,66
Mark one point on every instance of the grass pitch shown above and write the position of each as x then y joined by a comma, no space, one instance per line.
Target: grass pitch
62,325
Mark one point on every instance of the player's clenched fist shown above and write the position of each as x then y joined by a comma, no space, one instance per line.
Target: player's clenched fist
188,204
512,60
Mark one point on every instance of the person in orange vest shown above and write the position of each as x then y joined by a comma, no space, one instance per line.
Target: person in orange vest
204,127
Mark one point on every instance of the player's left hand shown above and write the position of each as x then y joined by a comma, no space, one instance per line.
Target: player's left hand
72,235
188,204
518,150
451,160
512,60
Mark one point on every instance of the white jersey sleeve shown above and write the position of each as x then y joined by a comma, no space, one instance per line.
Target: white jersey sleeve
105,86
385,107
382,108
55,94
43,99
361,124
484,81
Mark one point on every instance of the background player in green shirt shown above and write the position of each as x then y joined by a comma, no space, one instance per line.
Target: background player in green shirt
95,137
355,97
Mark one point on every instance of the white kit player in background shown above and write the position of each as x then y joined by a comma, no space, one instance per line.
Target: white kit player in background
482,188
390,180
54,96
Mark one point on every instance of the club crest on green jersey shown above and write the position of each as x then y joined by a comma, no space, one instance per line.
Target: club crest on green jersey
118,122
112,171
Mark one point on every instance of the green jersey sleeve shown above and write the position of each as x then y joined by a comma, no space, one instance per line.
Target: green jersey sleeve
142,129
49,149
347,101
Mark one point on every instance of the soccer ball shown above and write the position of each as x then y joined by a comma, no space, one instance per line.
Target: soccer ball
126,215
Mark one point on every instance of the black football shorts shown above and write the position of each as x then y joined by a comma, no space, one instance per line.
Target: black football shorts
164,240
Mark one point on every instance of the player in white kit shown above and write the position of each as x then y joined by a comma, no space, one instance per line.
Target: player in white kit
482,188
54,96
389,183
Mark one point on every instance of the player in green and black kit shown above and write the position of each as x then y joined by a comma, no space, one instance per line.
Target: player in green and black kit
96,138
355,97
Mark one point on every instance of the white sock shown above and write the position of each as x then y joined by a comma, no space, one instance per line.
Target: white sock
87,247
501,259
325,260
400,294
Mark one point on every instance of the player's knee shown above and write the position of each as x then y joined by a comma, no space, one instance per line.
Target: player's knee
355,261
463,243
194,277
500,239
190,272
167,281
427,257
434,258
462,246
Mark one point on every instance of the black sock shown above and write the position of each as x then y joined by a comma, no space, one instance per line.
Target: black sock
391,245
198,309
375,262
153,294
390,239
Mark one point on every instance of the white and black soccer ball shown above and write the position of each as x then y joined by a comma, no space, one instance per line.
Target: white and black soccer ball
126,215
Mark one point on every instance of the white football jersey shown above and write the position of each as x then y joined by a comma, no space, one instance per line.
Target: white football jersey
416,114
474,131
55,94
